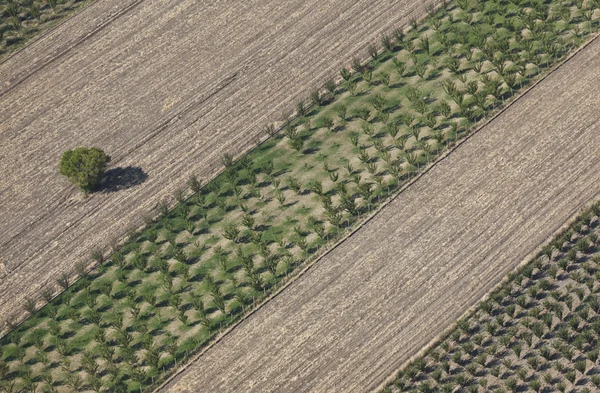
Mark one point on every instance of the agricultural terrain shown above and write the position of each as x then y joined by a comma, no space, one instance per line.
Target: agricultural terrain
537,332
165,88
201,266
392,287
21,22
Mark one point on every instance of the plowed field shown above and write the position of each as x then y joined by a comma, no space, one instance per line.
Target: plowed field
165,88
389,289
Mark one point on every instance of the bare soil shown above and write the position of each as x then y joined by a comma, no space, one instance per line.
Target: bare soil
165,88
380,296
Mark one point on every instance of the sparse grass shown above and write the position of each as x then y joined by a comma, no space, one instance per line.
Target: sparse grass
202,265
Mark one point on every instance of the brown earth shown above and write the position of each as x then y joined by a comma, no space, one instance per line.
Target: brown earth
167,86
388,290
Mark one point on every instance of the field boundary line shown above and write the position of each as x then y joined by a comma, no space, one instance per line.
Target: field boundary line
216,172
47,32
259,140
52,59
525,260
372,215
471,310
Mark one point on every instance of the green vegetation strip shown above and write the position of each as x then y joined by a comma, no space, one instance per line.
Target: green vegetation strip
203,265
21,21
538,332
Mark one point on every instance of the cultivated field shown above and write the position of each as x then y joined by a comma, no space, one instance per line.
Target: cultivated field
21,22
379,297
165,87
197,269
537,332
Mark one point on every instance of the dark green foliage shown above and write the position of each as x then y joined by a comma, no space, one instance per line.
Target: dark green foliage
84,166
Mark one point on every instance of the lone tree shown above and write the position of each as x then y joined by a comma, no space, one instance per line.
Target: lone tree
84,166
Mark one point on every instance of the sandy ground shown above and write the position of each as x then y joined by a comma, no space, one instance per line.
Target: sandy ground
167,86
388,290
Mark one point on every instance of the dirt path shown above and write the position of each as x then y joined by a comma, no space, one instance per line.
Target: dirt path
383,294
167,86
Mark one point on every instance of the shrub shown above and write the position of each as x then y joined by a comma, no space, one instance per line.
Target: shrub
84,166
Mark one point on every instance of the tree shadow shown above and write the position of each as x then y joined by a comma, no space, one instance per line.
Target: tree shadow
118,179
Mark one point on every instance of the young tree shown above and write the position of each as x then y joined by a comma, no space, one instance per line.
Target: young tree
84,166
327,122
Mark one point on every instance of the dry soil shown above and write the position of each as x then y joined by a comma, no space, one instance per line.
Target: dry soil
165,86
380,296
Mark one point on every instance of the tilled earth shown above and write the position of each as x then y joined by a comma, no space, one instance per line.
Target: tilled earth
398,282
166,88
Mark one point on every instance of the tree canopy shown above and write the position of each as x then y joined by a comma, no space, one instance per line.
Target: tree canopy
84,166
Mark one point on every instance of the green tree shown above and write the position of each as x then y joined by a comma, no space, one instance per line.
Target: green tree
84,167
